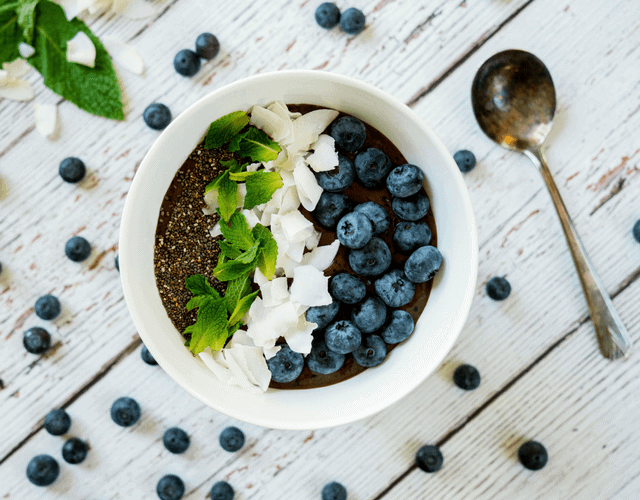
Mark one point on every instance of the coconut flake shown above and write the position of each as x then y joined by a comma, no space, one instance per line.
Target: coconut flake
124,55
321,257
215,231
17,68
312,241
290,200
309,191
71,8
272,124
308,128
80,49
252,218
46,116
324,157
310,287
295,250
253,167
300,337
133,9
14,89
286,264
94,6
25,50
217,366
296,227
274,292
270,352
259,279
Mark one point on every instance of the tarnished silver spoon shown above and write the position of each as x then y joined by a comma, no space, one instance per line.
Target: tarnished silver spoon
514,102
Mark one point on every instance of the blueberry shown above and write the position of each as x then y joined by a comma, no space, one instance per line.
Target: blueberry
186,62
395,289
354,230
466,160
342,337
369,315
409,235
43,470
47,307
466,377
57,422
377,215
498,288
147,357
372,167
323,360
352,21
77,249
636,231
118,262
125,411
221,491
176,440
330,209
323,315
533,455
399,328
334,491
371,353
74,451
405,180
412,208
327,15
170,487
423,264
36,340
207,46
157,116
429,458
372,259
347,288
232,438
349,133
286,365
339,178
72,169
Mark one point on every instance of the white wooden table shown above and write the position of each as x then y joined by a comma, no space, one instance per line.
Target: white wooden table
543,377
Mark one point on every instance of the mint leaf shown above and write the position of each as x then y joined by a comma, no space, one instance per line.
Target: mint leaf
260,188
197,301
215,183
249,255
237,232
223,129
229,251
242,307
268,250
198,285
232,166
210,328
255,144
95,90
233,329
232,269
227,198
234,144
240,176
236,288
26,18
9,33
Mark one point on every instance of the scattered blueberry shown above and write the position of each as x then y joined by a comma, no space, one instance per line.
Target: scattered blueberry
207,46
636,231
232,438
338,179
36,340
369,315
186,62
147,357
466,377
349,133
176,440
125,411
72,169
43,470
395,289
327,15
286,365
533,455
47,307
429,458
157,116
347,288
466,160
423,264
323,315
170,487
412,208
77,249
498,288
118,262
74,451
354,230
372,259
323,360
377,215
334,491
342,337
221,491
409,235
57,422
372,167
352,21
399,328
330,209
405,180
371,353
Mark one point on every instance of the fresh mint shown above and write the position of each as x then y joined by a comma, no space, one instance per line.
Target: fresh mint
227,198
236,289
9,33
210,328
233,269
26,11
231,166
255,144
198,285
237,232
240,176
242,307
260,188
250,255
268,250
229,251
225,128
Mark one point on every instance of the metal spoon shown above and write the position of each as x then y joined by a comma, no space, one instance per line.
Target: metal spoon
514,102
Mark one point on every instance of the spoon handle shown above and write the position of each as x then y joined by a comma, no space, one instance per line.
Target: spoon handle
613,337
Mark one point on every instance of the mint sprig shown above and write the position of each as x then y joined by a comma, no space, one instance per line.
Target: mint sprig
225,128
26,11
255,144
260,188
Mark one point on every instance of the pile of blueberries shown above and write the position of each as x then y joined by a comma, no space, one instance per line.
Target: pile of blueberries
352,21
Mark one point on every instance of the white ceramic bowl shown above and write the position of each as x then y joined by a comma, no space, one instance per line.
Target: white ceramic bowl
409,364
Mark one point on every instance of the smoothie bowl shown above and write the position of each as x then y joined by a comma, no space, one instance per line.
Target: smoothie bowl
298,250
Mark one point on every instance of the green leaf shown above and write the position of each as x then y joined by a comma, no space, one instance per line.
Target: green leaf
241,176
242,307
237,288
232,166
233,328
9,33
197,284
227,198
229,250
255,144
215,183
197,301
268,251
95,90
249,255
210,328
260,188
234,144
223,129
233,269
237,232
26,18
